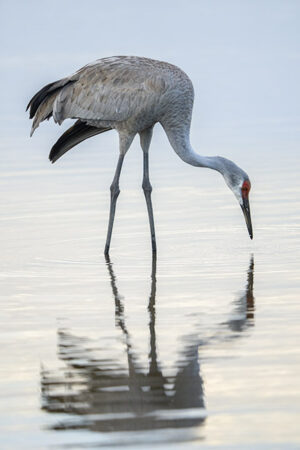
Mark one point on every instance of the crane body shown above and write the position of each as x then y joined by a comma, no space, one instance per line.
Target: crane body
131,94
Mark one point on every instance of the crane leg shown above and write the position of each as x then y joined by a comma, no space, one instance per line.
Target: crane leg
114,193
147,188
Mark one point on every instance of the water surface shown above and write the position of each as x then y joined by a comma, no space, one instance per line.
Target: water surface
197,347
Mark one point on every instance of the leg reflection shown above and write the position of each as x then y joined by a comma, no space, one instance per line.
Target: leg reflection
157,392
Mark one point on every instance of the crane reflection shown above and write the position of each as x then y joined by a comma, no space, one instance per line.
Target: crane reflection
100,393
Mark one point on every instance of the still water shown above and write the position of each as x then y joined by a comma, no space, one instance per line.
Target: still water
198,348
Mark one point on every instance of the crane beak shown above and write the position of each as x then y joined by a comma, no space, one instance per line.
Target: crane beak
246,211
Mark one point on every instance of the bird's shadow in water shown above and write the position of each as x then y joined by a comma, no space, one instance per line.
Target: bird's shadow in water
99,394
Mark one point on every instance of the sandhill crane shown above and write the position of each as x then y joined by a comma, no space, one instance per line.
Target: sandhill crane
131,94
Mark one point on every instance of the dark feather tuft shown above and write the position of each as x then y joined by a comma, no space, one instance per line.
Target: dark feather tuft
73,136
41,95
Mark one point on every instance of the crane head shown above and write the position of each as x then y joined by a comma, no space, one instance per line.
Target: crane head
244,194
238,181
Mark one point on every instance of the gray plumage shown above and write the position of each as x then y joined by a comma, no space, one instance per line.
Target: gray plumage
126,93
130,94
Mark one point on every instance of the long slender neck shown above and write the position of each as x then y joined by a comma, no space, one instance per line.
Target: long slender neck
180,141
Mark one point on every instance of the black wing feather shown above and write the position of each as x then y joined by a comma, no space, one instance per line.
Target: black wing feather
73,136
41,95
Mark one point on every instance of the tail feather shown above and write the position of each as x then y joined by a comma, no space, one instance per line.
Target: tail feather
43,112
38,98
42,95
73,136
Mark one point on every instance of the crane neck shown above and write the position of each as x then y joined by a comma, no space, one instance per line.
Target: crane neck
180,141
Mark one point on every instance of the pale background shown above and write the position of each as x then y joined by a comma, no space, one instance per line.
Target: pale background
243,58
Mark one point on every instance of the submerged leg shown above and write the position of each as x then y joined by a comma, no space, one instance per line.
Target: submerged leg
114,193
147,188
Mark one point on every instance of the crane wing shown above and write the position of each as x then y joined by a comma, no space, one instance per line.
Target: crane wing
111,89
